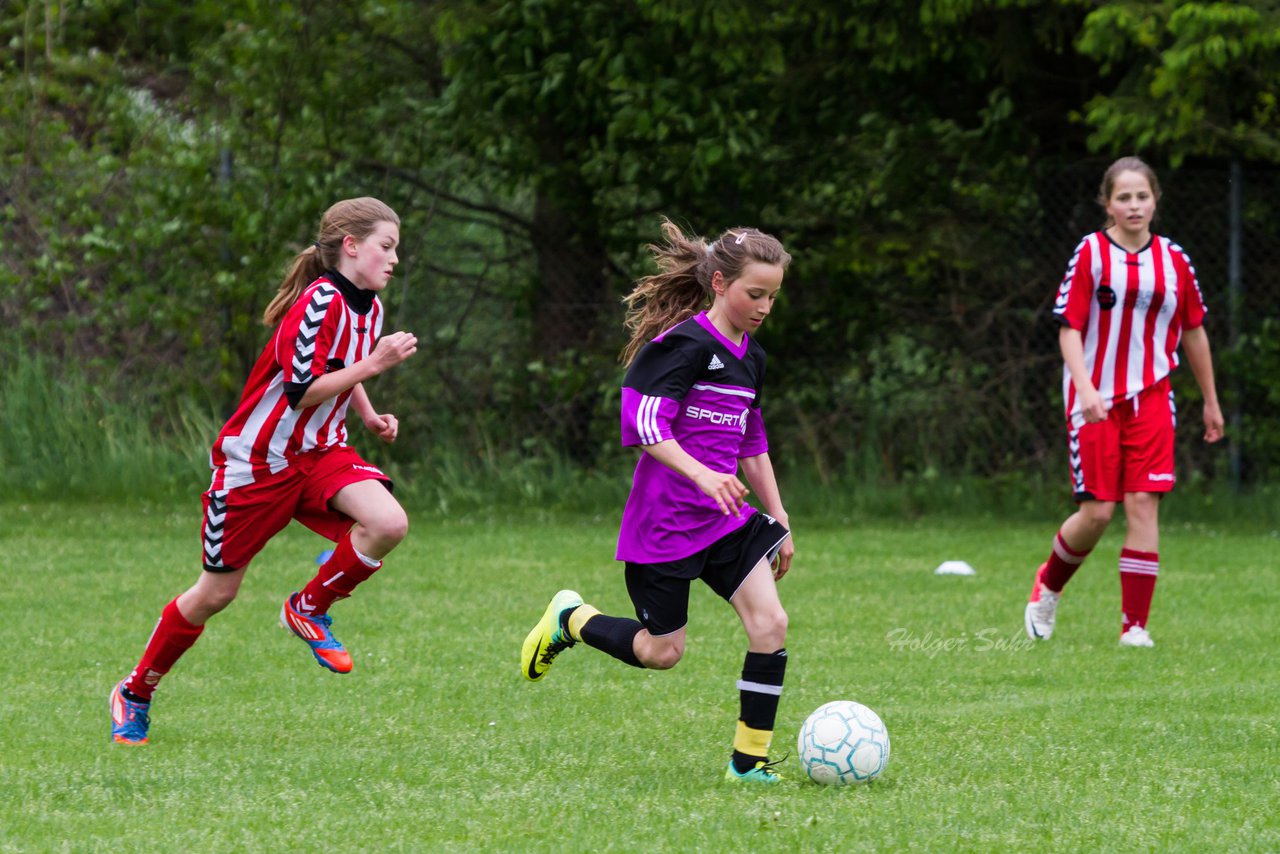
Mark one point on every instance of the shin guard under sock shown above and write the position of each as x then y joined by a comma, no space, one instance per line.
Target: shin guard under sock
614,635
173,636
1138,572
759,690
1062,564
336,579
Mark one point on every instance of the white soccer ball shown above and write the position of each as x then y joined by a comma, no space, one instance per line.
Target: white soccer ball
843,742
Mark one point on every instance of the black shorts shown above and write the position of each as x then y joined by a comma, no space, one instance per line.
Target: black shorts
660,591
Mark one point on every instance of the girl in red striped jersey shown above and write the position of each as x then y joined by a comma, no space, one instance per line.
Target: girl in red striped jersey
1128,300
283,454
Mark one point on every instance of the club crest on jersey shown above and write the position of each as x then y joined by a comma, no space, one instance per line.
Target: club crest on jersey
715,364
1106,298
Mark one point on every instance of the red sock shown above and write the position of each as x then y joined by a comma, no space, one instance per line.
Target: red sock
172,637
1138,572
1062,564
336,579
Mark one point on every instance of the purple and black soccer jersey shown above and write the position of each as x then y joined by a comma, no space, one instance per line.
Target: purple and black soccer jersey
693,385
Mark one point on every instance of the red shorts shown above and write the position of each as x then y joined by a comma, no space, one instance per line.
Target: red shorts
239,521
1130,451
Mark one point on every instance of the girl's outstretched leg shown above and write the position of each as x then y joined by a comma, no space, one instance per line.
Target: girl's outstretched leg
566,622
179,627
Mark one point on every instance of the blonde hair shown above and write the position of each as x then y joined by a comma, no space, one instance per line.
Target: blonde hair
1125,164
356,217
682,286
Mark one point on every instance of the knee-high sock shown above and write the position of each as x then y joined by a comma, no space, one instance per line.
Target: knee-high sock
614,635
1138,571
173,635
337,578
1062,564
759,690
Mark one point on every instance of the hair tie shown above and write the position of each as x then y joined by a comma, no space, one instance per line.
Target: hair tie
711,247
317,246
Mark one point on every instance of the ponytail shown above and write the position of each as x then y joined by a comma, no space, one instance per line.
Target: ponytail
308,265
350,217
682,286
677,292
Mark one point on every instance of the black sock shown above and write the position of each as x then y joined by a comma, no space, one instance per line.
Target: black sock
759,690
614,635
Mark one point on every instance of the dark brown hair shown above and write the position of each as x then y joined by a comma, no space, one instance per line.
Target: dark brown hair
682,286
356,217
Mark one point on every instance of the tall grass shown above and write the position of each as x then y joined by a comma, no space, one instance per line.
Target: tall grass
64,437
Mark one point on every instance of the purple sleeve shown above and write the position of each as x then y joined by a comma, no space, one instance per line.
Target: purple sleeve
754,440
646,419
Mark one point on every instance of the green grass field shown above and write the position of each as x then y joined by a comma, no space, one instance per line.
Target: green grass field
436,743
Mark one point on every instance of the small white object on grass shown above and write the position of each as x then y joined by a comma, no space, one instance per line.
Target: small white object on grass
955,567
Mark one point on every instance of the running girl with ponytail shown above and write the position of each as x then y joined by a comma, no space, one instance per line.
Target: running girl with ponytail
691,402
283,455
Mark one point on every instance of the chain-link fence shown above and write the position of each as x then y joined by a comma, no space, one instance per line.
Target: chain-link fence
969,378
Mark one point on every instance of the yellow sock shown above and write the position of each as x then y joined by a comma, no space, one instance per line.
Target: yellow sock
579,618
752,742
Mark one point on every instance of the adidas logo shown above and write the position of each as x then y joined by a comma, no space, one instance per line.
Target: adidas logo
715,364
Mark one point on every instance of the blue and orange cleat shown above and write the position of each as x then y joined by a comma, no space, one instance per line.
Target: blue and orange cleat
315,632
130,719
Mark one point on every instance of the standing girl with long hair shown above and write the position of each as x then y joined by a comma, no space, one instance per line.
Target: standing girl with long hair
1129,298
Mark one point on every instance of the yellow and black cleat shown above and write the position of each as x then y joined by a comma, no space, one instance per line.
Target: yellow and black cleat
549,637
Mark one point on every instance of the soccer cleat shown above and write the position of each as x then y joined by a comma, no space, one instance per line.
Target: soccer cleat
315,632
549,637
1136,636
129,718
762,773
1042,609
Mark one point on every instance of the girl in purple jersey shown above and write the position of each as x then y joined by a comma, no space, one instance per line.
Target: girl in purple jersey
691,402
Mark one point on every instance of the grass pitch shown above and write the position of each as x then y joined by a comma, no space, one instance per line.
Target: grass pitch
435,742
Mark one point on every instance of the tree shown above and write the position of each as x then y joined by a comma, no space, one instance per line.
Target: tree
1194,79
169,155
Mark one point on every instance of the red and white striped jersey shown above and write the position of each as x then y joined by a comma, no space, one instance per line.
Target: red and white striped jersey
332,325
1130,309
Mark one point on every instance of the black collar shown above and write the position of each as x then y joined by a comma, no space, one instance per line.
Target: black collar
1144,248
358,299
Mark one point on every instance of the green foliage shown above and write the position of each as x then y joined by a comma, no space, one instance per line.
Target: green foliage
577,97
116,238
1210,89
161,164
1251,370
